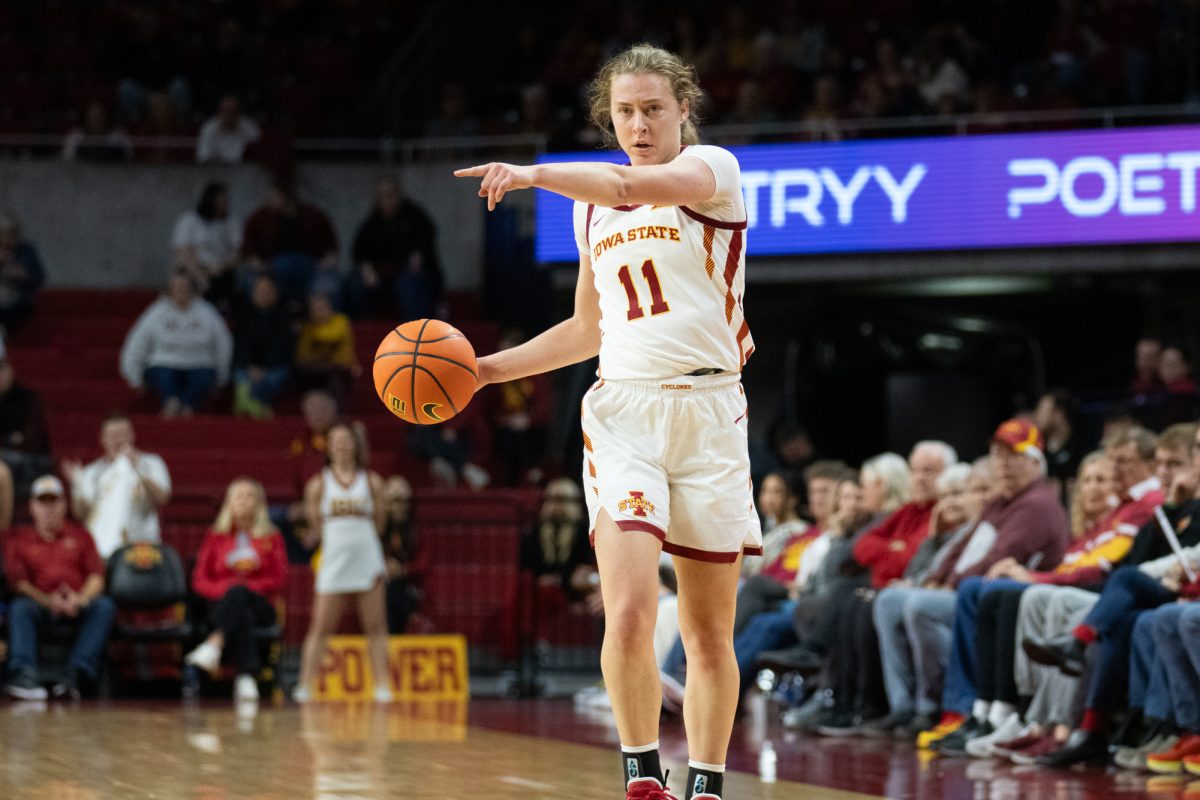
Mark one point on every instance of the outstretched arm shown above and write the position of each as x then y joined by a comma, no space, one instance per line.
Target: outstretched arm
679,182
569,342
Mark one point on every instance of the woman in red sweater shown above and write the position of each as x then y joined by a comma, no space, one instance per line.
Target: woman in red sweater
241,571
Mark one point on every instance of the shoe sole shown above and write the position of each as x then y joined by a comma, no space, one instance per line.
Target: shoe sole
837,732
27,694
1191,769
1164,767
1040,655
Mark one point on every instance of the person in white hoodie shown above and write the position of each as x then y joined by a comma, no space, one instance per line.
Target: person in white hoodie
180,348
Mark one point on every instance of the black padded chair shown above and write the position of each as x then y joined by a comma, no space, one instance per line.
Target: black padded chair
149,577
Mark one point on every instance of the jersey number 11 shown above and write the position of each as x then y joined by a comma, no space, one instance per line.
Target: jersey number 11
657,304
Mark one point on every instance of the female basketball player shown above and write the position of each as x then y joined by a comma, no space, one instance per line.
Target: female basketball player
344,504
659,297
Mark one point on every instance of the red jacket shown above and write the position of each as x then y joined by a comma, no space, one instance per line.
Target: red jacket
887,548
219,567
70,559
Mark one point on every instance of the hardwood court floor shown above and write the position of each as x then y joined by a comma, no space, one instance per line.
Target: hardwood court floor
510,750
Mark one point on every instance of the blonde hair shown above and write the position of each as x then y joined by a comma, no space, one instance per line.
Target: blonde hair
262,522
1079,521
645,59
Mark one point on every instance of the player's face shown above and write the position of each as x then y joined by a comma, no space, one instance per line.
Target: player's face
647,118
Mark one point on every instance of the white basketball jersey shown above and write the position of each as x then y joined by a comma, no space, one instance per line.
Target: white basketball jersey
671,279
346,508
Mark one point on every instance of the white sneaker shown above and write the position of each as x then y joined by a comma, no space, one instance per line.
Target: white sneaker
206,657
245,688
981,747
301,695
383,694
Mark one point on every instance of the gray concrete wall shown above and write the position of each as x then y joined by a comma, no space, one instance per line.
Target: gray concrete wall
110,225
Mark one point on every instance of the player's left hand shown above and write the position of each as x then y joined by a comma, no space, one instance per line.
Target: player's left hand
498,178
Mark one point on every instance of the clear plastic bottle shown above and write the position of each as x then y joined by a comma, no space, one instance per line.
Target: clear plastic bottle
766,762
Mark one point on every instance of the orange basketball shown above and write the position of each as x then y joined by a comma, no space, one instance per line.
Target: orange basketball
425,371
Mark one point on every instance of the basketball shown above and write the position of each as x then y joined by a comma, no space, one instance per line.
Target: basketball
425,371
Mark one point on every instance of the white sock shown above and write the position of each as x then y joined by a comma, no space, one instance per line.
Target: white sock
706,767
1000,713
980,710
641,748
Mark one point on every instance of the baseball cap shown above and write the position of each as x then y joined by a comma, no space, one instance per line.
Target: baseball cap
46,486
1021,435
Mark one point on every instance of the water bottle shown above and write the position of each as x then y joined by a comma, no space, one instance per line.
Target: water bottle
766,762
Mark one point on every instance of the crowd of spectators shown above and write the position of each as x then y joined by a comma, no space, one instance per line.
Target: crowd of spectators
1035,604
977,610
234,77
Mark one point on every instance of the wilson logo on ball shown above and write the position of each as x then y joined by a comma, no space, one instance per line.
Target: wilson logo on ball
429,364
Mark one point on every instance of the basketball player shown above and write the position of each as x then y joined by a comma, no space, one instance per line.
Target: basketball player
661,272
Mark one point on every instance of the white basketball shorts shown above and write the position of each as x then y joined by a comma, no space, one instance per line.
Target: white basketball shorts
669,458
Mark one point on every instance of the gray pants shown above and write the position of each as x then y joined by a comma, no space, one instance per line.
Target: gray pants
1048,611
914,627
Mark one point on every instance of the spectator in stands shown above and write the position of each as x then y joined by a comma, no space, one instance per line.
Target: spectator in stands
346,508
455,450
325,357
398,275
1147,355
97,139
793,449
403,554
118,495
225,136
557,549
21,275
980,679
308,456
206,241
295,241
812,584
962,492
777,503
519,412
55,574
160,131
1180,402
773,585
1048,612
1026,523
24,441
263,344
822,115
179,348
849,639
147,60
240,572
1053,416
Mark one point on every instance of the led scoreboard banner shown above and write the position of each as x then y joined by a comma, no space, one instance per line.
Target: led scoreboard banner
1125,186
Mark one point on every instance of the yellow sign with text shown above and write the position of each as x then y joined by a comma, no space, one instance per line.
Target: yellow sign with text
419,668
